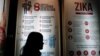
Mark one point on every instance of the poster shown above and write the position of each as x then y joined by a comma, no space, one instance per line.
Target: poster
81,32
38,16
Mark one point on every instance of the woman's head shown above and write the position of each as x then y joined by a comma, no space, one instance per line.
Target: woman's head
35,40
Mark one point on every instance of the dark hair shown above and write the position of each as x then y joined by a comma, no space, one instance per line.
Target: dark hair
33,44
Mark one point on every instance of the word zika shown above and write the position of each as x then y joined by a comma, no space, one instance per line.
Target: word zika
80,6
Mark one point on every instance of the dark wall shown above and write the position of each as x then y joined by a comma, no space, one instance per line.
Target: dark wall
9,48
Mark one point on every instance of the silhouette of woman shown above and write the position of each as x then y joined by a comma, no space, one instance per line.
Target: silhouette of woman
33,44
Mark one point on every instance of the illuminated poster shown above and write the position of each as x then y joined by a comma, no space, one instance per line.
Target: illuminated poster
81,36
38,16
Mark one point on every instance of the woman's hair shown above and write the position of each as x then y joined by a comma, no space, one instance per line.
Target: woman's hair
34,39
34,42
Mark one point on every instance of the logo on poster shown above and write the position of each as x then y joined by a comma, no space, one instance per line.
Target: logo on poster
27,6
83,8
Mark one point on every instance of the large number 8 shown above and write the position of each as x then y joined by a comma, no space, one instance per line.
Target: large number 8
36,6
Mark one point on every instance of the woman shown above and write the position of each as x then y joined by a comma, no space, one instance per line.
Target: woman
33,44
